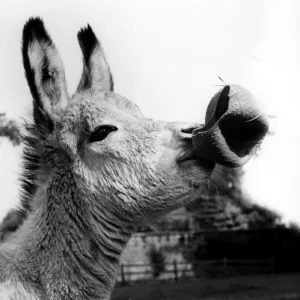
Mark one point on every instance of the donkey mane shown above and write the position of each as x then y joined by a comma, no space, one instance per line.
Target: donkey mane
31,163
30,166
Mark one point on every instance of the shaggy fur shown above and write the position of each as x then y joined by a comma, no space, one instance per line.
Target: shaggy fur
81,199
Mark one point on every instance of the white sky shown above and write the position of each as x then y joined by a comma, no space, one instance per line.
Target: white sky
166,56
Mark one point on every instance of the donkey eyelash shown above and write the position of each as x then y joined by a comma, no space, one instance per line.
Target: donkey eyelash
101,132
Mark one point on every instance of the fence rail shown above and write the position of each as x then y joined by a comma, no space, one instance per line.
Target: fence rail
206,268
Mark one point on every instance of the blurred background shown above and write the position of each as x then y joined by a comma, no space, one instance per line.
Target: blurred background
243,239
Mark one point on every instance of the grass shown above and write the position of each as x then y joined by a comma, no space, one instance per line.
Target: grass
270,287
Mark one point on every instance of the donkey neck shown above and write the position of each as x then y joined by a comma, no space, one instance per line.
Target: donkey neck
74,244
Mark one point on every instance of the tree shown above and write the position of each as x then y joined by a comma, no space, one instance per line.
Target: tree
10,223
220,210
227,208
260,217
9,129
295,227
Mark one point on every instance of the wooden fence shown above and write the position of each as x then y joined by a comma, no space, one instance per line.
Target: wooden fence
206,269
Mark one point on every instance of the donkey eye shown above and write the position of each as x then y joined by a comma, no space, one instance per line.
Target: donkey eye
101,132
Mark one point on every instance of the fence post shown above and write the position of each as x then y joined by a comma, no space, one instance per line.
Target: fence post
175,270
272,265
225,264
123,282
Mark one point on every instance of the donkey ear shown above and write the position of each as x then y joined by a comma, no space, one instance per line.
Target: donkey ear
96,73
44,72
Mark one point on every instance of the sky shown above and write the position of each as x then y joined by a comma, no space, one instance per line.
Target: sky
166,56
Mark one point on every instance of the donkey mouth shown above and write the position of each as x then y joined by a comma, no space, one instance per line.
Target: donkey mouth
206,164
193,161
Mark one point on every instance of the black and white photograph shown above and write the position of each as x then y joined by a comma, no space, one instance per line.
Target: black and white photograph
149,150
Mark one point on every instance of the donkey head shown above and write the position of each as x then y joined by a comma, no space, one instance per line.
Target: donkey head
118,157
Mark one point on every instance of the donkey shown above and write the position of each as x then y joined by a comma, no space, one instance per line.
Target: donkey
94,168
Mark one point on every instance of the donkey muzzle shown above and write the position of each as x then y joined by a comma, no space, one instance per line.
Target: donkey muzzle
234,127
